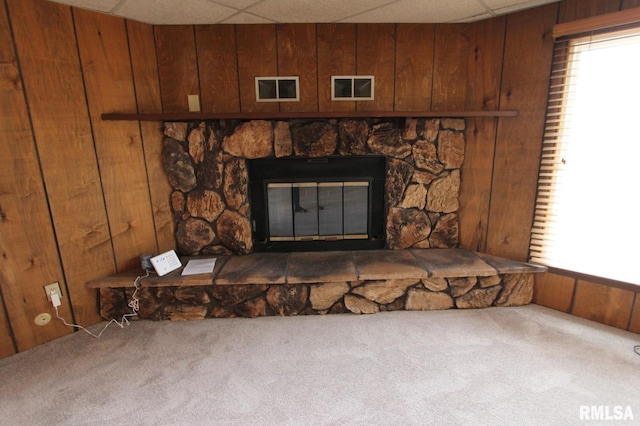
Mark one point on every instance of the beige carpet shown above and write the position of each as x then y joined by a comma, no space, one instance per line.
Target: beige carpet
524,365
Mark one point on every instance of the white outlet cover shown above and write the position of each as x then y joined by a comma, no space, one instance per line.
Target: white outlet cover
42,319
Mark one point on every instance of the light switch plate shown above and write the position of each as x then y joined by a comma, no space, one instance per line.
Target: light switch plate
194,103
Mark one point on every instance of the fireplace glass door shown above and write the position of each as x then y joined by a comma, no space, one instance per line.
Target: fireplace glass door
311,211
317,204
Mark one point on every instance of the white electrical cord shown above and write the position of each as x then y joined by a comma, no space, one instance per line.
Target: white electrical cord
134,305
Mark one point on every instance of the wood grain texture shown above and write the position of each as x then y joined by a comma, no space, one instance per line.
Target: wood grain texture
375,55
50,66
554,291
526,65
607,305
596,23
452,47
336,56
277,115
297,55
485,54
256,58
486,49
218,68
29,257
177,66
630,4
10,99
414,66
7,345
103,46
571,10
634,323
147,90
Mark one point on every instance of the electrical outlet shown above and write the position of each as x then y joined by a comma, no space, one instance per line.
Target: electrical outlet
55,288
42,319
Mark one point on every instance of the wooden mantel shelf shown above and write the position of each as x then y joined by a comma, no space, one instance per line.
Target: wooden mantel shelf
189,116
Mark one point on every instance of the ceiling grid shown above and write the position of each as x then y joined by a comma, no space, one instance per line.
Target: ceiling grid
193,12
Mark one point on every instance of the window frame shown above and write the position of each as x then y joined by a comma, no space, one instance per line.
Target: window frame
566,47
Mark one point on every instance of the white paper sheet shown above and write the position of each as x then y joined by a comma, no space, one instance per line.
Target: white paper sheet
199,266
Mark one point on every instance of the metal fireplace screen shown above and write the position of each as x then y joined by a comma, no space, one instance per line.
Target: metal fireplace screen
317,204
307,211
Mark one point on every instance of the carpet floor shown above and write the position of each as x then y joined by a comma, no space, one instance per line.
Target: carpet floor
521,365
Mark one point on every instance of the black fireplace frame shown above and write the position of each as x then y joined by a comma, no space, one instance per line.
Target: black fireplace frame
370,168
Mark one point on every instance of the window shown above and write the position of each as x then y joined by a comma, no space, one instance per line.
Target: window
587,217
352,88
277,89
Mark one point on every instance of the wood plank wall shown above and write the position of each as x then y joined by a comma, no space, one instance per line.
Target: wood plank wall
77,193
81,198
607,304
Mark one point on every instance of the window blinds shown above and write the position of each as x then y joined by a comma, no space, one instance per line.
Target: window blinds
578,103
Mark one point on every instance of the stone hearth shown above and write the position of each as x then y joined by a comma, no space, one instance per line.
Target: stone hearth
317,283
206,166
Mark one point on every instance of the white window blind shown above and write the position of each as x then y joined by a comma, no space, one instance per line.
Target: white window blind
587,216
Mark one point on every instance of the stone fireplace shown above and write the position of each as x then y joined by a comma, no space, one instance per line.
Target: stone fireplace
209,166
206,164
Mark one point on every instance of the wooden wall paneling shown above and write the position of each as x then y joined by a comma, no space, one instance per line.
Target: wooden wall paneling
257,57
630,4
414,66
571,10
554,291
376,55
336,56
27,242
7,345
104,53
634,323
10,100
607,305
486,49
147,88
177,66
525,79
452,44
30,257
218,68
297,55
50,66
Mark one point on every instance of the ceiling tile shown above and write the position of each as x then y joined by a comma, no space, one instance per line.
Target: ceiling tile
236,4
313,11
173,12
246,18
486,15
422,11
505,6
99,5
168,12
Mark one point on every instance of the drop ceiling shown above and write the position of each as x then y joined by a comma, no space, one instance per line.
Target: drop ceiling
180,12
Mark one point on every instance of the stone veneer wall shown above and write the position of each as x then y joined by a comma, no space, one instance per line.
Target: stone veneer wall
205,162
358,297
